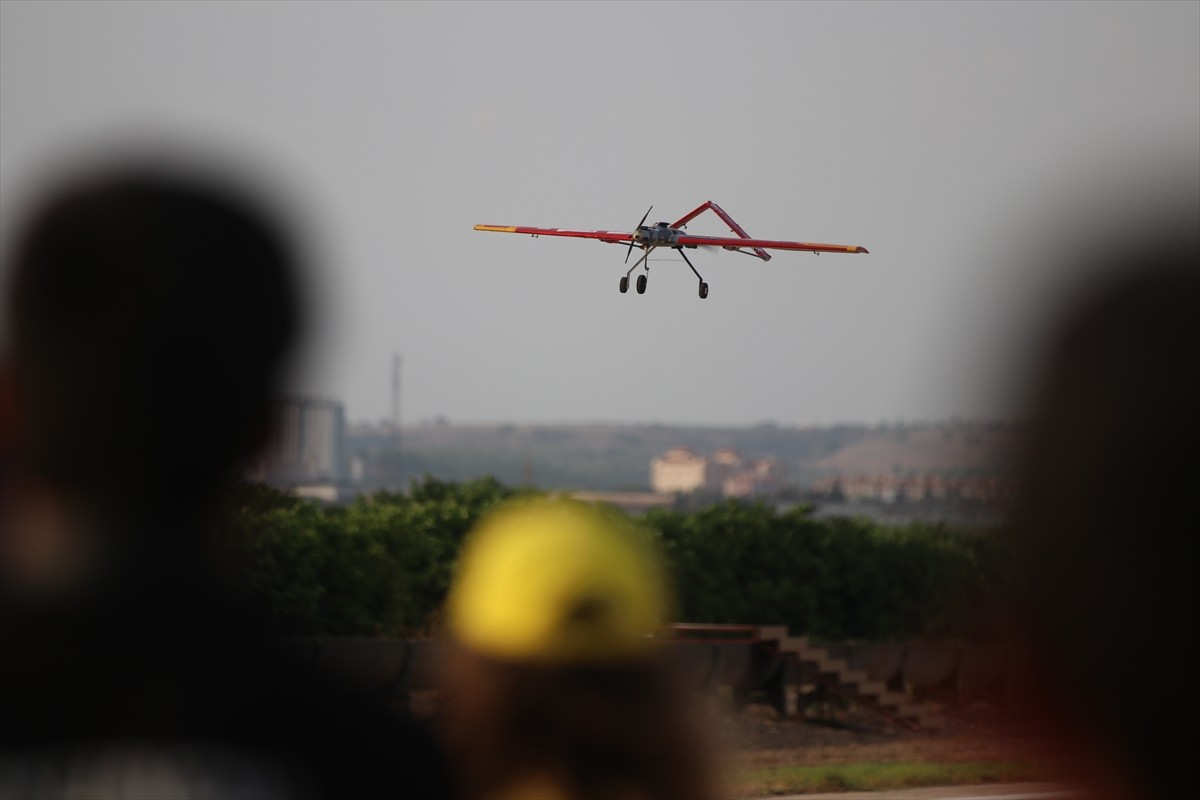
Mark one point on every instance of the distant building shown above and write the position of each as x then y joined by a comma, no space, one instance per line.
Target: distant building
890,488
325,493
308,445
678,470
722,467
757,478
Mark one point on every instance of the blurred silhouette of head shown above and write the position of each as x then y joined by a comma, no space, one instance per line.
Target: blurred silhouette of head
150,312
1106,529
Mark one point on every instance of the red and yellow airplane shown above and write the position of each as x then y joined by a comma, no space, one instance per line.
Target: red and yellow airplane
674,237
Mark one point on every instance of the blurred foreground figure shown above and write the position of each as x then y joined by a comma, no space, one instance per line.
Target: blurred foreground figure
150,312
554,686
1107,531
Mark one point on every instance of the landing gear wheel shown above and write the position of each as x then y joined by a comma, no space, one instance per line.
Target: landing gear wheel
625,284
703,290
641,284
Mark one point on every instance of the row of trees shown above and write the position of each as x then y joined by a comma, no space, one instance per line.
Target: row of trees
382,565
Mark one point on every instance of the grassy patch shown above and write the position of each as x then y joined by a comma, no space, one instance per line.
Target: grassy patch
877,776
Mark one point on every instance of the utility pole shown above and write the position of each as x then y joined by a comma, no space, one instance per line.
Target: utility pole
399,475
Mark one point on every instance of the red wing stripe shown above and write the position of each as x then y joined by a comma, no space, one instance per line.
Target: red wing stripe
729,241
604,236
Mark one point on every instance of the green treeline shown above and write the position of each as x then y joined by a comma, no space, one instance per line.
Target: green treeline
381,565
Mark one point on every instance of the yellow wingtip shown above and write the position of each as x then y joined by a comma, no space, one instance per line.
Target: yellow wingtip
497,228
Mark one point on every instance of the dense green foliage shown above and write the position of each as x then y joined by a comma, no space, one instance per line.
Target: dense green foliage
382,565
379,566
827,578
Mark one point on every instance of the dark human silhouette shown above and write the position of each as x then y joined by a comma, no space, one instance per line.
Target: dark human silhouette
150,310
1105,531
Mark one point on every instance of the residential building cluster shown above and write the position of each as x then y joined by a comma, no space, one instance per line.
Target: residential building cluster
894,488
682,471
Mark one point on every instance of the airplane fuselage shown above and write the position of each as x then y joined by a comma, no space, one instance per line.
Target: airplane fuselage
660,235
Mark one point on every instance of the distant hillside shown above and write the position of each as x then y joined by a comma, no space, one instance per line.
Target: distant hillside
943,450
617,457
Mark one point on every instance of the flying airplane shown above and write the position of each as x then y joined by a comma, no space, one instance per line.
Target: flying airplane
661,235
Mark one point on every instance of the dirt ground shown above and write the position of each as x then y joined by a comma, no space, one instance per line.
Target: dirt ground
758,737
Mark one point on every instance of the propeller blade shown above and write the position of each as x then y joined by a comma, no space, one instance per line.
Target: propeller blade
644,216
629,252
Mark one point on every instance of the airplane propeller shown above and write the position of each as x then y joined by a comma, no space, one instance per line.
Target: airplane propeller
629,252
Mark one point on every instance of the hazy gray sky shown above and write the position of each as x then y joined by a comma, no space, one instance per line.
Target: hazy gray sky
935,135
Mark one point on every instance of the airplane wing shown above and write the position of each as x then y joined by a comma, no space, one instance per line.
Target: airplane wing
731,243
614,237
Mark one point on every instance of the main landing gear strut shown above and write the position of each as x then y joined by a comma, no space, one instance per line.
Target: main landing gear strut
642,280
703,285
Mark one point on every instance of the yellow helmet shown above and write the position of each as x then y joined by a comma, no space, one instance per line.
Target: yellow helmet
555,581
